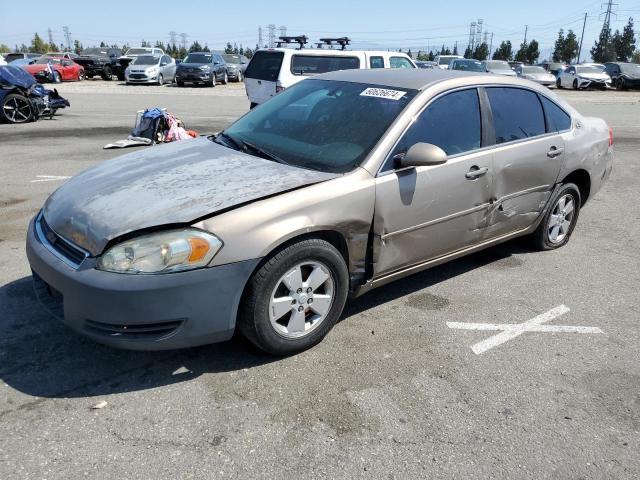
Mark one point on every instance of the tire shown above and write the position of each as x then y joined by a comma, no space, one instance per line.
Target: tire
225,79
80,75
56,77
558,83
16,108
180,84
575,84
283,335
213,82
107,73
240,77
542,238
160,79
121,77
620,84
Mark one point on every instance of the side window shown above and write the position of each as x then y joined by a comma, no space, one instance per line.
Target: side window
315,64
572,70
451,122
517,114
400,62
376,62
557,119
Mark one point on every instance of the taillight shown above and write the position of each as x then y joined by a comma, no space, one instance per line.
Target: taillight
610,136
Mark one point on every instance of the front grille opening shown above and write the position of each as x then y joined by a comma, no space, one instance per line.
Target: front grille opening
50,298
61,246
147,332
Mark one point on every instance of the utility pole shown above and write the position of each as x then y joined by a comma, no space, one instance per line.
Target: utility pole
526,29
490,47
584,24
260,44
67,35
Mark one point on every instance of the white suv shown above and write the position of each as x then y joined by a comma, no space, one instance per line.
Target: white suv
272,70
444,61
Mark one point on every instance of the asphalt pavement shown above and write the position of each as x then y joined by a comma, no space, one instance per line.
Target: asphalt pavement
397,389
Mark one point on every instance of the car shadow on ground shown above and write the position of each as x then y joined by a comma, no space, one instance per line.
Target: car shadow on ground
41,357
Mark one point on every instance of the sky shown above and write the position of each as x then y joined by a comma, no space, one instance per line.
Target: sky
414,24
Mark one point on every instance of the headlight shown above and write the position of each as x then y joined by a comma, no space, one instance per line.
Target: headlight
162,252
204,67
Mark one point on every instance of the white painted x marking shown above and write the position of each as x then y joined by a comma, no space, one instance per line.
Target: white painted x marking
509,331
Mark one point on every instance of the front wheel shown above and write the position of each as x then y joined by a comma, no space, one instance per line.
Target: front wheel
225,79
16,108
557,225
160,80
620,84
81,75
575,84
558,83
107,73
295,298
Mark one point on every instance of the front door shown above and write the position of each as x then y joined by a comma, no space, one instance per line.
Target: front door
426,212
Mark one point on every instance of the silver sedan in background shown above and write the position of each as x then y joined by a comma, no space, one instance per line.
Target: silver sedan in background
158,69
536,74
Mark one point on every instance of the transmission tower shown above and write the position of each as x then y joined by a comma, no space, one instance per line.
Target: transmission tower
50,34
260,44
183,37
479,31
472,35
272,35
67,35
283,31
172,37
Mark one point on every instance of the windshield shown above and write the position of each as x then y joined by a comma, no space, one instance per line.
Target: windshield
199,58
533,70
44,60
146,60
445,60
138,51
632,68
94,51
468,65
322,125
498,65
232,58
588,70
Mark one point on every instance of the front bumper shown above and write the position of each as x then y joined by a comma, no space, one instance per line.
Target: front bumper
139,312
599,84
141,78
196,76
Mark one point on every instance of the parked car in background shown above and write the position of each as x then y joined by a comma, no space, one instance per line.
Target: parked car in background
274,69
207,68
599,66
499,67
553,67
50,69
132,53
18,62
580,77
158,69
236,65
515,64
268,227
68,55
2,60
99,61
624,75
536,74
443,61
10,57
426,64
466,65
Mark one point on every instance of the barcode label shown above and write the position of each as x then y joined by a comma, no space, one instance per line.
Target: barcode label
383,93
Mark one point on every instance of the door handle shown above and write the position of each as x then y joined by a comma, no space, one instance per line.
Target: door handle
555,152
475,172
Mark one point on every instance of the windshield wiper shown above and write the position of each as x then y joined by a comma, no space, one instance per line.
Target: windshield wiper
229,141
263,153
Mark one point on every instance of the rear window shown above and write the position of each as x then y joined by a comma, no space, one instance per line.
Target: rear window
12,56
315,64
376,62
517,114
265,66
400,62
557,119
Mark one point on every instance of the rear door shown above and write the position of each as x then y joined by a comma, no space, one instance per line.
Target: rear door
261,75
527,158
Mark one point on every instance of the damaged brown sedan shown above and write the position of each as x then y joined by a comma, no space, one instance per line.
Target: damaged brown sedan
340,184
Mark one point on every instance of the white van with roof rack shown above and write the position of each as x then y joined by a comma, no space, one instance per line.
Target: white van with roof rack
271,70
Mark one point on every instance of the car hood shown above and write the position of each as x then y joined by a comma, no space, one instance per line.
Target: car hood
509,73
540,76
172,184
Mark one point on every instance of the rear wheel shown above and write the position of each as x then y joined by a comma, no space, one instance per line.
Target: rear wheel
225,79
557,225
180,84
107,72
240,77
213,82
295,298
575,84
558,83
160,79
81,75
16,108
620,84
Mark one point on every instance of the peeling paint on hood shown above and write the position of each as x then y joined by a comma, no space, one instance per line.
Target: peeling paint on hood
175,183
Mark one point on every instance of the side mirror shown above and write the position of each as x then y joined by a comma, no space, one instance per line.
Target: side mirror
421,155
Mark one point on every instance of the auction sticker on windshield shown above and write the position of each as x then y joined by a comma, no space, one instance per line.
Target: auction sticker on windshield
383,93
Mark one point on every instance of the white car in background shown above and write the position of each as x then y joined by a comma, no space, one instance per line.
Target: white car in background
443,61
2,61
272,70
499,67
583,76
536,74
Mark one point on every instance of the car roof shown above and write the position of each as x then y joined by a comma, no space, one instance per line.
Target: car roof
330,51
408,78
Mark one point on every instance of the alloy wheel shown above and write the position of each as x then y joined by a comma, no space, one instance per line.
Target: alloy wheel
301,299
560,219
17,109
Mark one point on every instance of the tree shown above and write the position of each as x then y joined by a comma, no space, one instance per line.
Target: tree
468,53
206,48
624,44
228,48
195,47
455,49
559,46
77,47
521,55
603,50
566,48
161,45
409,53
432,56
635,58
532,53
481,52
504,52
38,45
4,48
248,53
